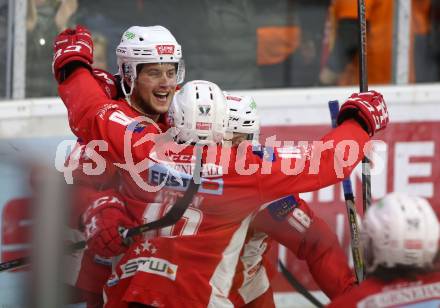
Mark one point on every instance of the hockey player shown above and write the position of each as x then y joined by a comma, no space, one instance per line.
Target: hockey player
400,235
93,116
292,223
91,267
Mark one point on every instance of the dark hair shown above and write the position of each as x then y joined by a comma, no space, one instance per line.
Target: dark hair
400,271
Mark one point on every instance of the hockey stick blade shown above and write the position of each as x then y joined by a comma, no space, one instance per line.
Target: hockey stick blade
356,248
170,218
298,286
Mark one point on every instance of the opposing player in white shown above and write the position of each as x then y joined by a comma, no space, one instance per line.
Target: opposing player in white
400,236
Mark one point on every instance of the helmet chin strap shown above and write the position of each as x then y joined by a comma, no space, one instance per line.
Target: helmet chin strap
127,94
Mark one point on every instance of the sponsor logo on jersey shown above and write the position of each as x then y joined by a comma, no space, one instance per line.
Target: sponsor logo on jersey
158,174
203,126
178,158
165,49
281,208
183,163
150,265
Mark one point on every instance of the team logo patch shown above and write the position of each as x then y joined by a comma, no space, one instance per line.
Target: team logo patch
281,208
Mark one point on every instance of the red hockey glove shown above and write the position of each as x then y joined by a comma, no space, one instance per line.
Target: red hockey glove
107,82
368,108
102,221
69,46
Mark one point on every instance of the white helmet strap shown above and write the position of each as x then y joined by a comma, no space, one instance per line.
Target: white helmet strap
131,87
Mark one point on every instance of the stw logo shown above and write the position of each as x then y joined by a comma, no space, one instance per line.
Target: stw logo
165,49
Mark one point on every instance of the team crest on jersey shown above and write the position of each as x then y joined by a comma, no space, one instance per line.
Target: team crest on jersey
281,208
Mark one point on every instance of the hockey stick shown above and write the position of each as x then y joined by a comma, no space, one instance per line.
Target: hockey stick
170,218
298,286
363,87
356,248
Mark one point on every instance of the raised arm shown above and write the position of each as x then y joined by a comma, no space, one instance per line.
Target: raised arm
325,162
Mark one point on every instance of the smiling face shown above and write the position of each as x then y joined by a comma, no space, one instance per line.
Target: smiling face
238,138
154,88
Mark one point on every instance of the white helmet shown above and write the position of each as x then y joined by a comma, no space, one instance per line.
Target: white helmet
199,112
400,229
147,45
243,116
